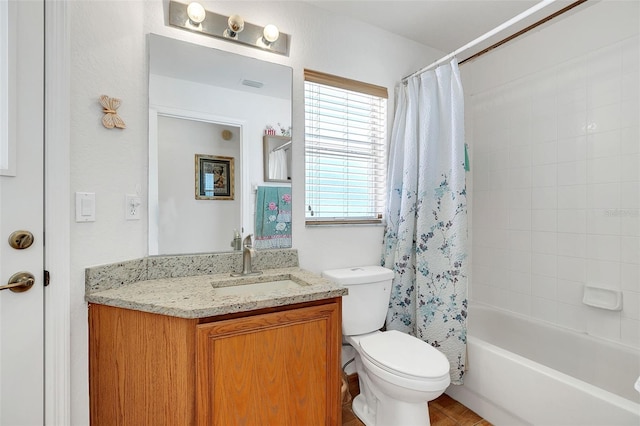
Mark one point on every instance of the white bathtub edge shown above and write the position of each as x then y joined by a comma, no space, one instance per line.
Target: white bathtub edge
539,394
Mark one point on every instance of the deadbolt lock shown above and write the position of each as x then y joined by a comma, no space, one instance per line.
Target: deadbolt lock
21,240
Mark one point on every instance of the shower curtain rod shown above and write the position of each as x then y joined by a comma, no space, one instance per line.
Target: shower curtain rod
495,31
283,146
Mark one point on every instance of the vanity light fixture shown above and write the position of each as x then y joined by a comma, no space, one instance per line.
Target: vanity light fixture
194,17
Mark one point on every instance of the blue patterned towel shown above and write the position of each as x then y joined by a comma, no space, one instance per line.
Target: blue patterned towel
273,217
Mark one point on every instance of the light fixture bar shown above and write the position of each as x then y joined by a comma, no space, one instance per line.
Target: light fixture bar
216,25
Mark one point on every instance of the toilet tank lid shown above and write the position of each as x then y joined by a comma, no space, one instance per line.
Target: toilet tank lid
358,275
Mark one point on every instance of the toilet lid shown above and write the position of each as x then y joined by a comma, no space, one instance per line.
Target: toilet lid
404,354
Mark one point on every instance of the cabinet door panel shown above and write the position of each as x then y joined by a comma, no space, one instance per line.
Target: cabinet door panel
141,368
280,368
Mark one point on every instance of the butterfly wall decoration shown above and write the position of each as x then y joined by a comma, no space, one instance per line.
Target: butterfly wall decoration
111,118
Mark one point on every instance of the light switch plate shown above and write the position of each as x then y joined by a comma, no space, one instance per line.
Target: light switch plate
85,207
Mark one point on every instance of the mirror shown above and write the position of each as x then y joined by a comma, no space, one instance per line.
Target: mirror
277,158
208,111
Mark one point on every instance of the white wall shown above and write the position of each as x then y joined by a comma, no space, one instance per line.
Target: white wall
108,56
552,119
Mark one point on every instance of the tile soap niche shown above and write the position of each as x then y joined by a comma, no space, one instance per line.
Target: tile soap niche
603,298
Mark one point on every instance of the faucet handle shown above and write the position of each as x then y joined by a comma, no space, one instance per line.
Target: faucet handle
247,241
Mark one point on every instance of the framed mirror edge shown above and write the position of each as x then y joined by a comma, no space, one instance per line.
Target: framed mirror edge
153,196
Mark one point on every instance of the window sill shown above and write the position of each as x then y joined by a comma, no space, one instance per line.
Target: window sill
314,223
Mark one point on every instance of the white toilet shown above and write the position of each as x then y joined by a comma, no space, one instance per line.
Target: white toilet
398,373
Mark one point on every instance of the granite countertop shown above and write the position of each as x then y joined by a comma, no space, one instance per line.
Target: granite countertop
201,296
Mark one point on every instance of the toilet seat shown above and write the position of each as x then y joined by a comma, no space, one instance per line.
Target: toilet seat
405,356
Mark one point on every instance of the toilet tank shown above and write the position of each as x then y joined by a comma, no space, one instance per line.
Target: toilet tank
364,309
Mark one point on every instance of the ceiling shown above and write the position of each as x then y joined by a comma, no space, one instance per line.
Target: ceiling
445,25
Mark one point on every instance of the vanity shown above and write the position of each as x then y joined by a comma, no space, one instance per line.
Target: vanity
176,340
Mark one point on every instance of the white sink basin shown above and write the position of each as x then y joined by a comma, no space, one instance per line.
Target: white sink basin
256,288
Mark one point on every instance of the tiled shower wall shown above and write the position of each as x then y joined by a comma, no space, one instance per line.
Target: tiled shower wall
555,176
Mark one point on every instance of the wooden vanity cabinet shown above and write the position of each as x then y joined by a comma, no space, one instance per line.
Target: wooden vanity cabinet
276,366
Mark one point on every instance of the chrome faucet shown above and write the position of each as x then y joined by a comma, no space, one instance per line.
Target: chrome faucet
248,254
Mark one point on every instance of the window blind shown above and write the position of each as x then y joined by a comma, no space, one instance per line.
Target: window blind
345,150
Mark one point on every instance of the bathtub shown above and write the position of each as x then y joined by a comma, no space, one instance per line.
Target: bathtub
525,372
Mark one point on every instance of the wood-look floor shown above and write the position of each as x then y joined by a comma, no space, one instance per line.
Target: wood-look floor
443,411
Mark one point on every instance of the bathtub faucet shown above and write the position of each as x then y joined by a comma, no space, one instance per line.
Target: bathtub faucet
248,254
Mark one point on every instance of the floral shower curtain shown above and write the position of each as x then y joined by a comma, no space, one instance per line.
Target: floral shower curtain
425,241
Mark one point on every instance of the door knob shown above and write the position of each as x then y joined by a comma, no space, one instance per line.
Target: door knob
19,282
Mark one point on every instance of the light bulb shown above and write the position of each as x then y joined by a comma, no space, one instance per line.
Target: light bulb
270,33
196,13
236,24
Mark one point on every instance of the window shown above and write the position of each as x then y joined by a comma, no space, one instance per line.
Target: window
345,150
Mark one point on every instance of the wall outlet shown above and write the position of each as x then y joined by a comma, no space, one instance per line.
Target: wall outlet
133,205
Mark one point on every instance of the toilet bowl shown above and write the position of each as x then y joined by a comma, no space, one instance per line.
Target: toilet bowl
398,373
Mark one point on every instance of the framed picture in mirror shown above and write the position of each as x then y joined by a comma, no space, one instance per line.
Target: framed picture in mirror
214,177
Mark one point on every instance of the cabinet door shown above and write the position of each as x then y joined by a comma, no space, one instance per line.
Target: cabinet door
280,368
141,368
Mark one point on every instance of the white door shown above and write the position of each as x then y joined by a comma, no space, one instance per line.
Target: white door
21,209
